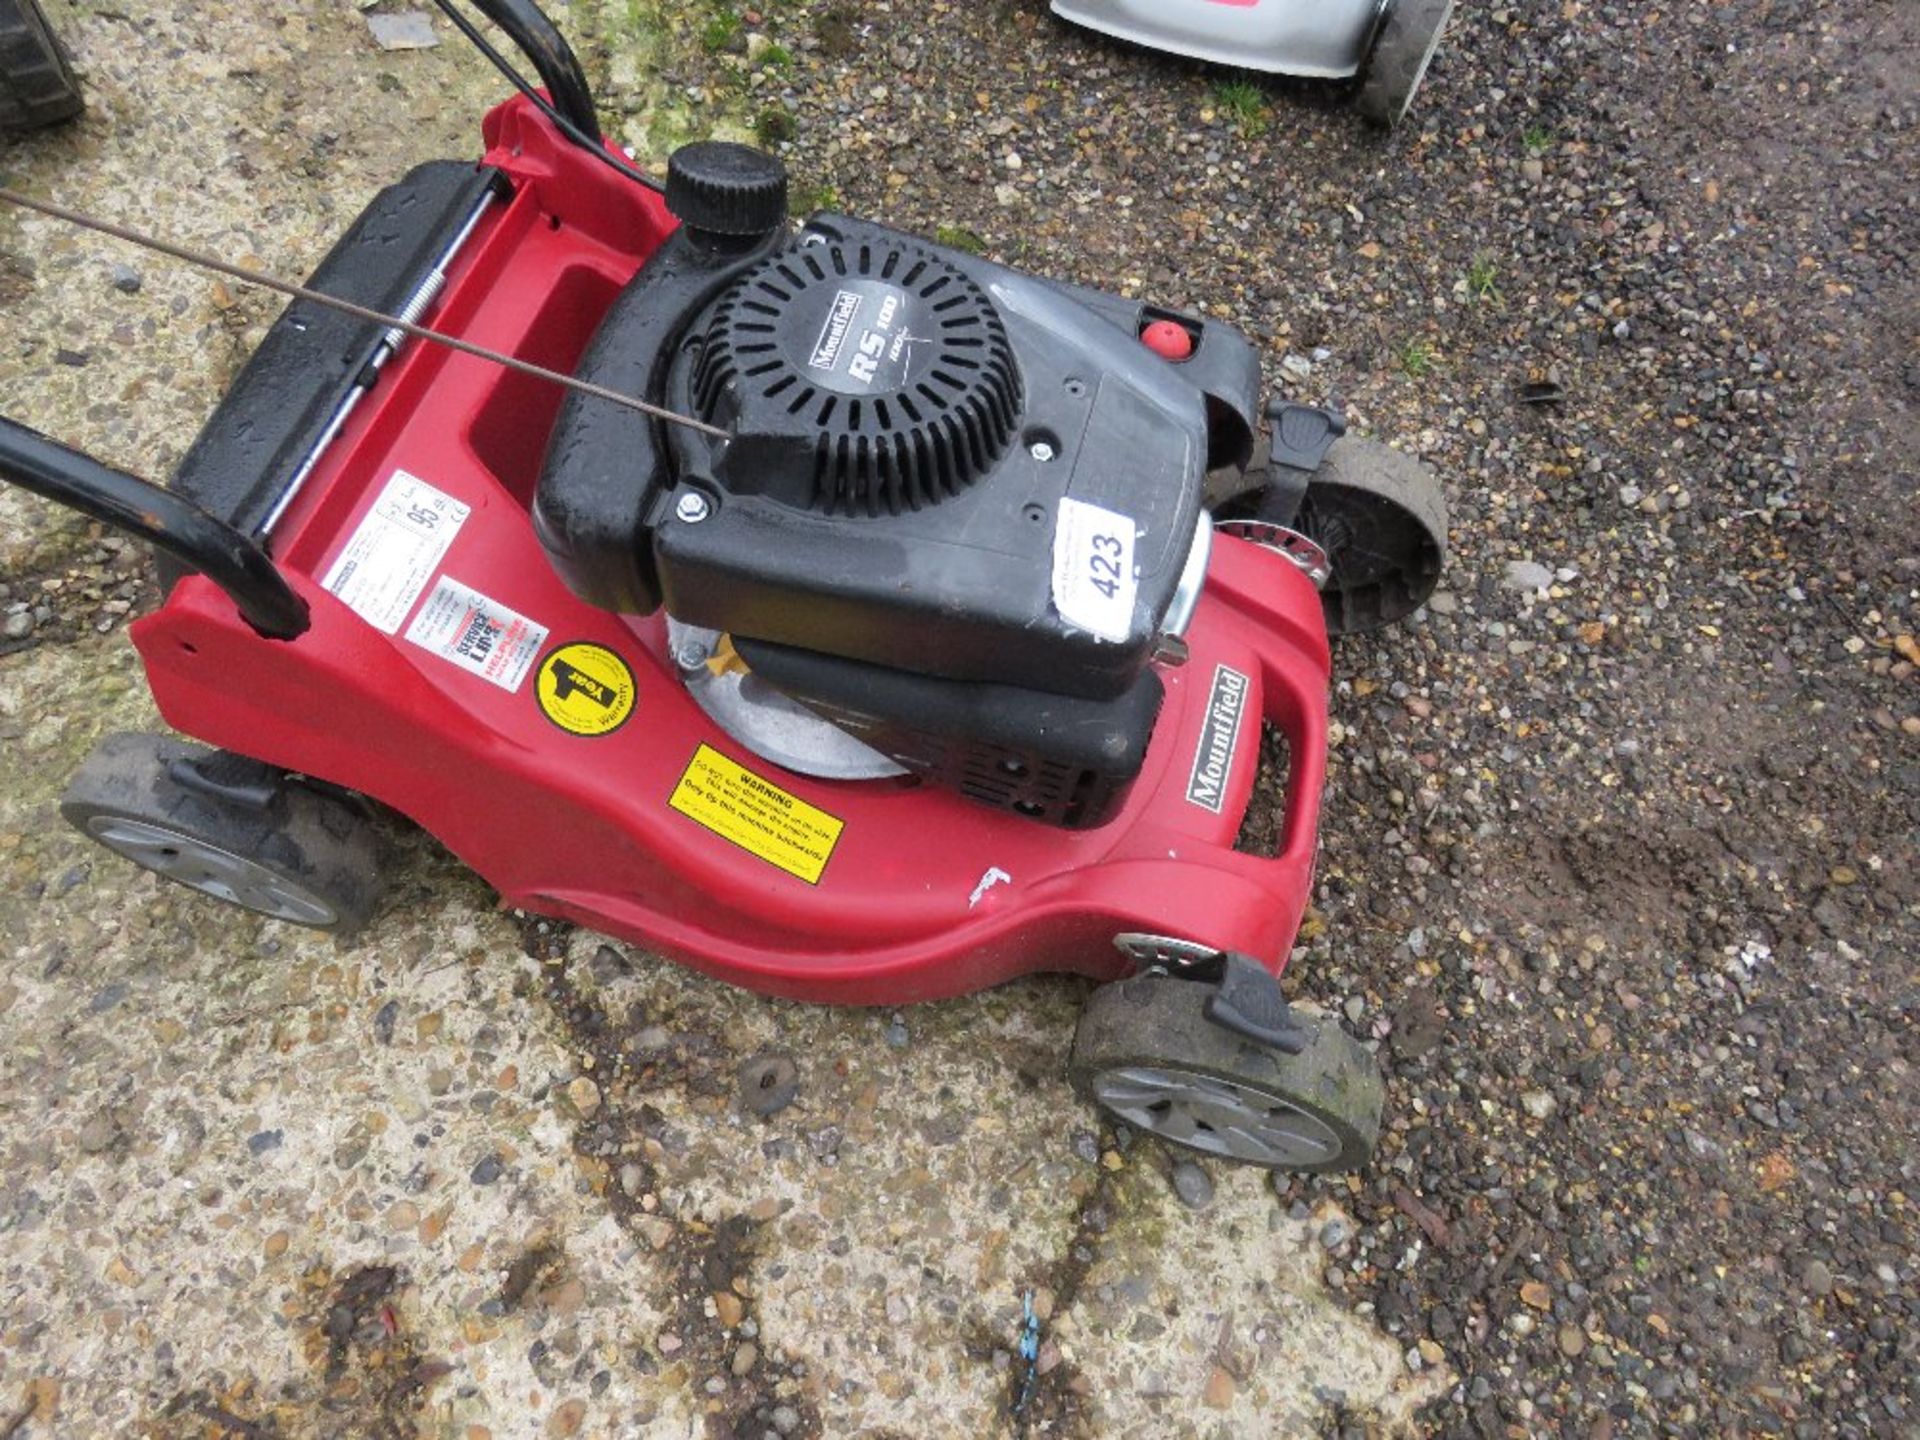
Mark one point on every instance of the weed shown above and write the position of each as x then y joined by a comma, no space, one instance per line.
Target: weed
1244,103
720,32
1415,358
958,237
839,30
1537,139
1483,277
776,57
803,200
774,126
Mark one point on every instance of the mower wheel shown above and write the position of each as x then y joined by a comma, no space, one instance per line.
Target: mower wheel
269,844
1401,53
1147,1054
37,86
1381,517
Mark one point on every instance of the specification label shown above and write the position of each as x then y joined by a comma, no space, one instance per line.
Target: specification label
757,815
394,550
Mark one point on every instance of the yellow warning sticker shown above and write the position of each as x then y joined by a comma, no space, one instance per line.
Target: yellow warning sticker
757,815
585,689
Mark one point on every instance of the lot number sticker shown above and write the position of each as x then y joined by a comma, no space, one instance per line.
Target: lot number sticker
757,815
1093,579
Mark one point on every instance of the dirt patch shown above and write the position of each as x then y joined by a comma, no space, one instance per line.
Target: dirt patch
370,1377
713,1346
1046,1394
16,277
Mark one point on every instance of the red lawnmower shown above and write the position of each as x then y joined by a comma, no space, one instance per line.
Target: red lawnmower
928,642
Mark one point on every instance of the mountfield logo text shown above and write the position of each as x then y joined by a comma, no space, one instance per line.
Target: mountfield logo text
833,331
1213,761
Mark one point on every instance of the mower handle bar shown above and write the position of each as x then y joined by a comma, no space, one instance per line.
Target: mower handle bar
199,541
540,40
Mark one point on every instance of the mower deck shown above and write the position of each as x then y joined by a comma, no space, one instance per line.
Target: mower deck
662,832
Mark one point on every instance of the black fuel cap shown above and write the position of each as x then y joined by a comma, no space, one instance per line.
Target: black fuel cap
726,189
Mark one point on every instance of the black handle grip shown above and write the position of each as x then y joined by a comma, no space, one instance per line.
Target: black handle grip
164,520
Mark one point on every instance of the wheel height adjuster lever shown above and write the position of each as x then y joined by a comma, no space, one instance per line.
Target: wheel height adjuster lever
1302,435
235,779
1248,1002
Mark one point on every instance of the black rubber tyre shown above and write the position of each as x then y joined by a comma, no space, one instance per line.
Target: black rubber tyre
308,857
37,85
1401,53
1146,1054
1381,516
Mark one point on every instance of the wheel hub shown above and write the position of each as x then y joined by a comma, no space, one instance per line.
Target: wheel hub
209,869
1308,555
1218,1116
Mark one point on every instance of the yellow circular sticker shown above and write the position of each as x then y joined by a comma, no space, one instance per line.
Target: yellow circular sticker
585,689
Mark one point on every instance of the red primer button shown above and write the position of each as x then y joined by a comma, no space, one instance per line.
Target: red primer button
1167,340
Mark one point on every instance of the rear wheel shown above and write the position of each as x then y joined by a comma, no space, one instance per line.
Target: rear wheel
1378,519
272,846
1146,1053
37,85
1381,517
1401,53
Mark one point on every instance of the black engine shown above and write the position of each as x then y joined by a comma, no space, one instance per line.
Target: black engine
957,511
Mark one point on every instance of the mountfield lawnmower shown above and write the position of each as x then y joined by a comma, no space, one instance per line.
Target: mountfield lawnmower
1384,45
856,620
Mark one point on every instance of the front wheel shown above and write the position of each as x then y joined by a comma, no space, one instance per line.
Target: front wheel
1146,1053
37,85
269,844
1381,517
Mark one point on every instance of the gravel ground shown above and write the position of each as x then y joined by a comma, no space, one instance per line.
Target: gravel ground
1619,860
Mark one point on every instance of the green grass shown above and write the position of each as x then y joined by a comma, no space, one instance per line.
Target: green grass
1415,358
776,57
1537,139
803,200
1243,103
774,126
720,32
1483,278
958,237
